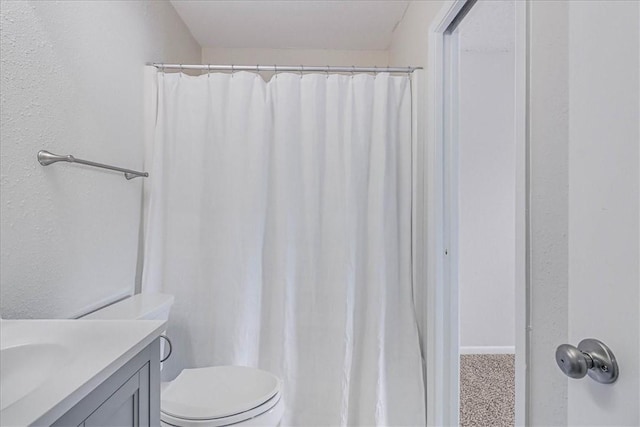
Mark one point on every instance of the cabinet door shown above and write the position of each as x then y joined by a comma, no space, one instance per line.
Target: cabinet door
125,407
129,397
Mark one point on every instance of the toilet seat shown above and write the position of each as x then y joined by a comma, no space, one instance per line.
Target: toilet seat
274,405
218,396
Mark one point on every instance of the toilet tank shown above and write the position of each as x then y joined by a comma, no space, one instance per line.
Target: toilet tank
136,307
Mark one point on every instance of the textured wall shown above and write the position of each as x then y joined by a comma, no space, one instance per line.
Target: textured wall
71,83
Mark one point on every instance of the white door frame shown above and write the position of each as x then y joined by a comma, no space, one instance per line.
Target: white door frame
442,358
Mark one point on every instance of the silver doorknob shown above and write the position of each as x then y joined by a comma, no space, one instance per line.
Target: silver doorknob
591,357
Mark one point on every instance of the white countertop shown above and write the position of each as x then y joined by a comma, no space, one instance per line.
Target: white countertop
84,353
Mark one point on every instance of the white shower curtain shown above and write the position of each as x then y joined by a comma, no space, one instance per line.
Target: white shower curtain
280,218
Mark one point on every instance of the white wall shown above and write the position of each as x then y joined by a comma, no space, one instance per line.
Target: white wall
410,46
410,39
486,178
71,83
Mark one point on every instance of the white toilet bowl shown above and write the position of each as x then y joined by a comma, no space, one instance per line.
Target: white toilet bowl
206,397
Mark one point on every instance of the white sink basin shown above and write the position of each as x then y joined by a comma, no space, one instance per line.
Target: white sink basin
25,367
48,366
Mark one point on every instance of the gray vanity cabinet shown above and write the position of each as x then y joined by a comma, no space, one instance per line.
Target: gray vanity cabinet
129,397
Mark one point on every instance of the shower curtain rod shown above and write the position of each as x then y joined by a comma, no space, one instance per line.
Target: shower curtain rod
294,68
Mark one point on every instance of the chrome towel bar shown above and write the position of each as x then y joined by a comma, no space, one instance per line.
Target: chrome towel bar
46,158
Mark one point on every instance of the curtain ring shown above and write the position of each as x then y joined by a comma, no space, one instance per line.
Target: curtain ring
275,70
257,68
375,71
353,70
326,70
181,70
208,70
301,70
233,70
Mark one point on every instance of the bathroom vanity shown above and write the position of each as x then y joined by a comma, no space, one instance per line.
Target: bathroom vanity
80,372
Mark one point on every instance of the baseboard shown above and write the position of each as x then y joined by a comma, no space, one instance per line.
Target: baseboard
488,350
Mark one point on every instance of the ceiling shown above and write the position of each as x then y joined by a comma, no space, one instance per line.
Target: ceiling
310,24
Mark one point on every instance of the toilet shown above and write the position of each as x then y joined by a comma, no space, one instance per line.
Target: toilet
205,397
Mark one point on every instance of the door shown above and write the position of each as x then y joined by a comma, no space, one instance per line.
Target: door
476,162
604,137
584,205
577,161
484,187
122,408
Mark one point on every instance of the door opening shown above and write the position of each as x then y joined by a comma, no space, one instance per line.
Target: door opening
477,228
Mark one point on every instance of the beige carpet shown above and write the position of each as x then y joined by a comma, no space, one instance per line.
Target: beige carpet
487,390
